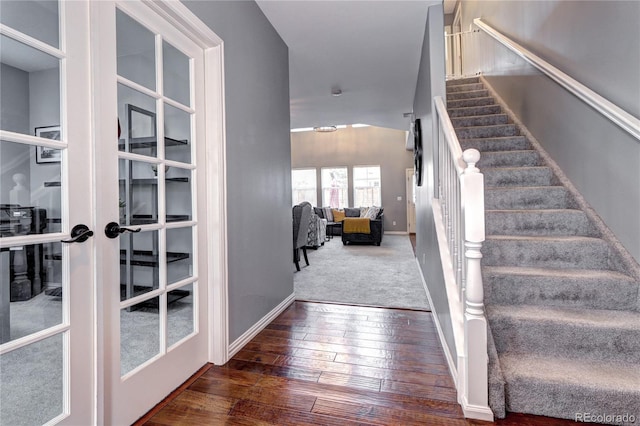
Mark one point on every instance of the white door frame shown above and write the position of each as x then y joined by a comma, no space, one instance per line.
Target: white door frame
411,207
213,194
216,195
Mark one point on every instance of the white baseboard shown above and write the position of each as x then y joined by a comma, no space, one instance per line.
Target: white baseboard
396,233
259,326
447,352
476,412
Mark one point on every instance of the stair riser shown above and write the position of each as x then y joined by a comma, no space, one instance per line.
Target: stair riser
592,254
538,223
526,198
500,177
591,293
565,401
465,87
487,131
471,111
496,144
563,339
459,81
463,103
482,120
509,159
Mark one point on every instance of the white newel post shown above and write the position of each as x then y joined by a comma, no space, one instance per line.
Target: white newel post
475,323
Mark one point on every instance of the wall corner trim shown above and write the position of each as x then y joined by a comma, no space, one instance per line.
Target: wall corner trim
259,326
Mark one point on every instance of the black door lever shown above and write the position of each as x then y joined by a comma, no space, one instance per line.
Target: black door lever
79,234
113,230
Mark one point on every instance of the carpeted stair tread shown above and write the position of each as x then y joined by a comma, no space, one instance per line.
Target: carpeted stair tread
517,176
470,94
480,120
542,251
558,387
568,332
532,197
474,110
459,81
513,158
493,131
586,288
461,103
504,143
538,222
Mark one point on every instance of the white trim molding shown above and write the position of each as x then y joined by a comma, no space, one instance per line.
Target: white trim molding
259,326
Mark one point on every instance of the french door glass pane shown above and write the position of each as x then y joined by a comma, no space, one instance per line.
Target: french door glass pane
29,189
31,383
30,277
178,182
136,122
138,200
179,314
177,134
176,74
139,334
30,82
179,254
136,51
38,19
139,264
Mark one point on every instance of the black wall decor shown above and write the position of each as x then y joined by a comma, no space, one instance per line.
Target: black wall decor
417,151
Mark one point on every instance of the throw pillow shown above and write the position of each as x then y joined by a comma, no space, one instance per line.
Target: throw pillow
379,215
363,211
338,215
319,212
351,212
372,212
327,214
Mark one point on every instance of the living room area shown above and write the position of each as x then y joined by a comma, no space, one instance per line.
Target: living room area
353,177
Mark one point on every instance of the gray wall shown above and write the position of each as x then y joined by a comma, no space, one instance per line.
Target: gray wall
595,42
430,84
258,159
366,146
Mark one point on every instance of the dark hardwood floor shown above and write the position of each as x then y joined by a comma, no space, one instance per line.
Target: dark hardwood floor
324,364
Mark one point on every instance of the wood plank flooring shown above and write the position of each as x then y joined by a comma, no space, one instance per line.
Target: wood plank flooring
325,364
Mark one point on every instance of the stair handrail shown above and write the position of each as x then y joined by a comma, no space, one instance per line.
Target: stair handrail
620,117
460,200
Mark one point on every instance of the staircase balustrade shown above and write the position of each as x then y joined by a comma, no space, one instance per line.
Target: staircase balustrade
460,200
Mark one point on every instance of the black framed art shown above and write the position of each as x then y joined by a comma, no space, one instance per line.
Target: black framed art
417,151
45,154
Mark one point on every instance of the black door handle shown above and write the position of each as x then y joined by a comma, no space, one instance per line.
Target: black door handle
113,230
79,234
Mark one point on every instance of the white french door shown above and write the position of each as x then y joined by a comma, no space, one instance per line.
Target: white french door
47,352
152,268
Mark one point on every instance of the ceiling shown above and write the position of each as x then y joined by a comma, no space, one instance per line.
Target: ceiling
370,50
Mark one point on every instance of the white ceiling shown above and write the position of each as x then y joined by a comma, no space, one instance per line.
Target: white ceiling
368,49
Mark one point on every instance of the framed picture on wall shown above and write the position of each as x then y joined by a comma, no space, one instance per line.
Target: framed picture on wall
44,154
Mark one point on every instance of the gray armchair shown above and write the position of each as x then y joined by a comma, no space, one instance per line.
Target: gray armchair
301,218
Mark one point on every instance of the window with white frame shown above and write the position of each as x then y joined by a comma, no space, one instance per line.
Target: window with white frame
366,186
335,187
304,187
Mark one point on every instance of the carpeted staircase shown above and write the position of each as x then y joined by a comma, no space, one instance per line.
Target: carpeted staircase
563,313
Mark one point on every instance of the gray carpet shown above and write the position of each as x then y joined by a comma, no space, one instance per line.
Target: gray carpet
385,275
561,301
35,372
